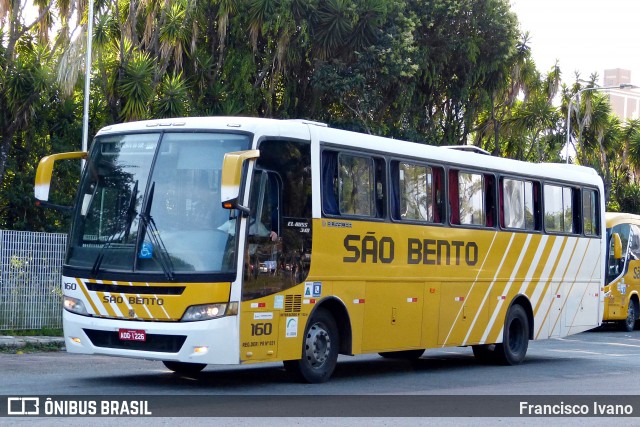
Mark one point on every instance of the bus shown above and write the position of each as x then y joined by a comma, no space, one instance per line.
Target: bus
228,240
622,284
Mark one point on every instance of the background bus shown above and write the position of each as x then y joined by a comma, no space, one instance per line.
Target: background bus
623,270
326,242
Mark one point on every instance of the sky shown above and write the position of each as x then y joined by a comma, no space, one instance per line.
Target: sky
588,36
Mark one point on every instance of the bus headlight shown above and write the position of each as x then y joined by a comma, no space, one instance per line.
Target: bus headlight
74,305
209,311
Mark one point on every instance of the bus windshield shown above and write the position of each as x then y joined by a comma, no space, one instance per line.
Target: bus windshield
151,203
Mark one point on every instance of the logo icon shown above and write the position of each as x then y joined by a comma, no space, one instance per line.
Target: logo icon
23,406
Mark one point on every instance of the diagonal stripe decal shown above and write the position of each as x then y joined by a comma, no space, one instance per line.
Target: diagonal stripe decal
480,271
486,295
514,273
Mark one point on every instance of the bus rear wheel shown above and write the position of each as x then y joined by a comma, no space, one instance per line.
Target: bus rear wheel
484,353
320,349
184,368
515,337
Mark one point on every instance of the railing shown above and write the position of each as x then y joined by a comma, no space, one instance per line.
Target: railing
30,272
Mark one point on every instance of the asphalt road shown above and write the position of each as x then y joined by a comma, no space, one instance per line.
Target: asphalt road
604,362
589,363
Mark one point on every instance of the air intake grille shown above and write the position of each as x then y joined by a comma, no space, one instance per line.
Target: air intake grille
292,303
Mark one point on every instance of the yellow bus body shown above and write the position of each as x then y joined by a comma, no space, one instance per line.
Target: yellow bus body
623,284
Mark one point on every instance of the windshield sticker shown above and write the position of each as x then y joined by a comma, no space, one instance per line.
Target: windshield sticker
146,251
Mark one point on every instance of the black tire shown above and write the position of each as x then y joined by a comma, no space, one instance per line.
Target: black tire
404,354
184,368
320,348
484,353
515,338
629,323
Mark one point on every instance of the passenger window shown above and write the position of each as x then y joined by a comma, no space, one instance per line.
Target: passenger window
517,204
356,185
418,189
590,213
471,198
558,209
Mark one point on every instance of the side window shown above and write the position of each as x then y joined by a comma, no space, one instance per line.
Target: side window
517,204
471,198
356,186
265,203
417,192
590,213
558,209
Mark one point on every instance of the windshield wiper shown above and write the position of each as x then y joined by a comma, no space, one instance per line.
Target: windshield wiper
131,211
149,227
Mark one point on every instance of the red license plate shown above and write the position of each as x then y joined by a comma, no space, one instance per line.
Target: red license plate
132,335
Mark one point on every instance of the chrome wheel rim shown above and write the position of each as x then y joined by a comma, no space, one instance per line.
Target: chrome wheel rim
317,346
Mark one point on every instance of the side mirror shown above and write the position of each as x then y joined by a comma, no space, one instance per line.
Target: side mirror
617,246
232,177
44,172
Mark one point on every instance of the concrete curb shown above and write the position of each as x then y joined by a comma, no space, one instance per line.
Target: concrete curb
7,341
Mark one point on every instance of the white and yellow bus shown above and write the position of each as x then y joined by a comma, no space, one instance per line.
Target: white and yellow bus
623,270
226,240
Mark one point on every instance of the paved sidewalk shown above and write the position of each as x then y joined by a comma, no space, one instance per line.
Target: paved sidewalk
22,341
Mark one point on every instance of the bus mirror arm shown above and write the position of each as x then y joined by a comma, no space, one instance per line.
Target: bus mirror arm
233,204
245,211
49,205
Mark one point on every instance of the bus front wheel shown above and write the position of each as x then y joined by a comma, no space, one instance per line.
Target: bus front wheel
320,349
515,338
630,322
184,368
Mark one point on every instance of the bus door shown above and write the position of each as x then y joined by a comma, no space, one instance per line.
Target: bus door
259,325
277,252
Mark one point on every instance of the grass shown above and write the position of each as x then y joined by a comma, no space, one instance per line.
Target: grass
45,332
30,348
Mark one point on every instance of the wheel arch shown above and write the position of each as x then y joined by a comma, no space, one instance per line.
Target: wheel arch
523,301
340,314
634,297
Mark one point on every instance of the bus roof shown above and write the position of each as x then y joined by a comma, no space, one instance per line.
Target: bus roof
615,218
300,129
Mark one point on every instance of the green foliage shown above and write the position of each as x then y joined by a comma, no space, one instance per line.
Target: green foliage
172,98
135,87
626,199
432,71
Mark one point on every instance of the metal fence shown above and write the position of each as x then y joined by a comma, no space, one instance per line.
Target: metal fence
30,271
